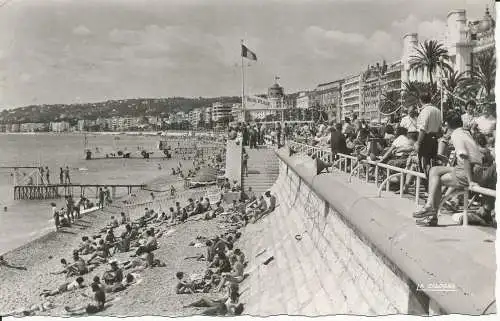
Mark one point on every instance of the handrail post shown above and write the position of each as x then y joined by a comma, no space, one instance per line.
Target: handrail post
417,191
401,184
388,181
376,175
466,205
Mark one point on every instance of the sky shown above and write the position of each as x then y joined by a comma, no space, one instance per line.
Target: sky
70,51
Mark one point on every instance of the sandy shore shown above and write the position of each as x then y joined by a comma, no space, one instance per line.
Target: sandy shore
154,296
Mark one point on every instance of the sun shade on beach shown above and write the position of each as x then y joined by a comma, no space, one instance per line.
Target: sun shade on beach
206,175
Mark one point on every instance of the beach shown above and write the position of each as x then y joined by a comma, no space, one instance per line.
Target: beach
27,220
41,253
154,296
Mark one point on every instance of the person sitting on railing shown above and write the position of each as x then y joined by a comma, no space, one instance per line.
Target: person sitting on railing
464,174
398,152
486,123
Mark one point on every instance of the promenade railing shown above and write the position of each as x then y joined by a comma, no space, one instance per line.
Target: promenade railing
352,166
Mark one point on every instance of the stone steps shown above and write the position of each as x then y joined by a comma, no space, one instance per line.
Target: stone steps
263,168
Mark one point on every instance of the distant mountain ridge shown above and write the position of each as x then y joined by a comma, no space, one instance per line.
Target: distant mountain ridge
136,107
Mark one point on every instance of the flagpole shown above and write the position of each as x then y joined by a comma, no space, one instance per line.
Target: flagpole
243,84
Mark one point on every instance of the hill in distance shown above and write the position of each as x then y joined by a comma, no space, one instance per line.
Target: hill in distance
137,107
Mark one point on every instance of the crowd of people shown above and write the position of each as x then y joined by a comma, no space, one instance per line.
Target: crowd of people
456,152
113,259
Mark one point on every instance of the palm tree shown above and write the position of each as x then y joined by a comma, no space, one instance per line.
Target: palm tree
412,91
390,103
484,72
455,85
431,56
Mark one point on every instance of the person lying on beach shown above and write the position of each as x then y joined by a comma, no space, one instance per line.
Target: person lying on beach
182,286
132,232
25,312
79,266
4,263
240,256
183,216
220,264
101,253
236,274
140,263
190,205
110,237
86,246
270,208
259,210
124,219
234,206
198,209
163,217
222,306
65,287
221,243
130,279
65,266
91,308
205,203
113,275
123,245
150,245
214,212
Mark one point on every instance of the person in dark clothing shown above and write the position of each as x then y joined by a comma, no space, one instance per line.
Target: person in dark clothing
245,136
61,175
101,198
337,141
278,134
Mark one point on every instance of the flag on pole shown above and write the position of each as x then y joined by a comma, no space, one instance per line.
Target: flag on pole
247,53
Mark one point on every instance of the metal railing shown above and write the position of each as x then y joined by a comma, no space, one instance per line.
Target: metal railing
352,165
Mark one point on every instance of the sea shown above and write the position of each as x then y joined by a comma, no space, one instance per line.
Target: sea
26,220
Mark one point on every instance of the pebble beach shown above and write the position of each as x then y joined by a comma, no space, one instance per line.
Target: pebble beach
154,295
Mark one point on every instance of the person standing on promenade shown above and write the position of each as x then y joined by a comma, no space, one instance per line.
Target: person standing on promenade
278,134
410,123
47,174
337,141
244,163
69,208
42,176
67,178
101,198
252,137
260,138
429,126
55,215
348,129
107,194
244,135
61,176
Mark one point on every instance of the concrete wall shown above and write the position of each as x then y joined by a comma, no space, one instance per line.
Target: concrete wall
324,264
233,160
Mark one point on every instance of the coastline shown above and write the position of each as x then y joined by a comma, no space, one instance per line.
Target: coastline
20,288
129,133
46,226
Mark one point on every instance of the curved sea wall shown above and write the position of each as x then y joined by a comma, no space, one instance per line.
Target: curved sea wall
332,247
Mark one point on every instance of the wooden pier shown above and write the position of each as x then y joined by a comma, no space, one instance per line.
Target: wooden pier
52,191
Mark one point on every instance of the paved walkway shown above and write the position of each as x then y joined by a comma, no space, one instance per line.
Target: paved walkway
320,266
